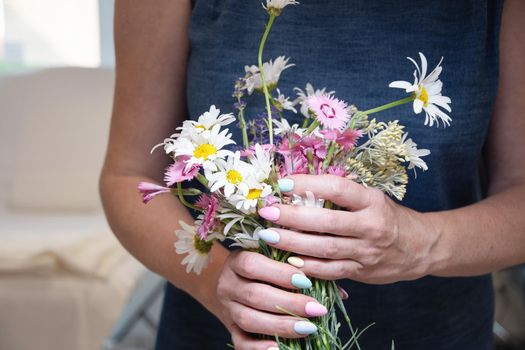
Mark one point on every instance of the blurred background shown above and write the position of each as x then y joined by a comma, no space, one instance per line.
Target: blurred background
65,282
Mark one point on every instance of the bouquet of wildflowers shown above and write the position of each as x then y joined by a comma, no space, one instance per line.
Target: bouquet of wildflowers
333,138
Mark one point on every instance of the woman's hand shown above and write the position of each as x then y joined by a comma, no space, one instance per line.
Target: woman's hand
376,241
251,304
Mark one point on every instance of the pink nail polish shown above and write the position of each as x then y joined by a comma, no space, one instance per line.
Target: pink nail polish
342,293
270,213
315,309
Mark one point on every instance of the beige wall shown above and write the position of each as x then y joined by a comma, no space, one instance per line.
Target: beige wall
54,32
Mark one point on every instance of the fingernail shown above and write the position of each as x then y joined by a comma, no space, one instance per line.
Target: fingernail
285,185
304,327
295,261
315,309
269,236
343,293
272,348
301,281
270,213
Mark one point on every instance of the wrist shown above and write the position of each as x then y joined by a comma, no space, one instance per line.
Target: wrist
203,287
439,253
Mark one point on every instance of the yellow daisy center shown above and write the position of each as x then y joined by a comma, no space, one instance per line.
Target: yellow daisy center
254,193
233,177
423,96
200,126
204,151
201,246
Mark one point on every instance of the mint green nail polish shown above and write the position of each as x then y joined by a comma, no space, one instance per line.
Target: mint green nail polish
301,281
285,185
304,328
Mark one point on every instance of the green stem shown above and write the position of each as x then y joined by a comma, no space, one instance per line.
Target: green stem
390,105
330,155
183,200
243,127
312,127
203,180
263,79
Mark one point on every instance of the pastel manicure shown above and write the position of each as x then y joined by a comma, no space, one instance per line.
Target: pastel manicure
315,309
301,281
285,185
270,213
304,328
343,293
295,261
269,236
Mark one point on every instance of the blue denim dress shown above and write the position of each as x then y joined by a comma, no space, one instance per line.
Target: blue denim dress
357,47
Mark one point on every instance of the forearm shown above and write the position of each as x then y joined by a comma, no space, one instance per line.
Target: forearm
480,238
147,232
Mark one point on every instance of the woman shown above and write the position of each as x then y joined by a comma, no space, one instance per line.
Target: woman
418,269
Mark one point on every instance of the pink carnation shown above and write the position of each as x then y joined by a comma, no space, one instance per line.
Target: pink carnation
336,170
177,171
329,111
251,151
314,145
348,138
149,191
208,219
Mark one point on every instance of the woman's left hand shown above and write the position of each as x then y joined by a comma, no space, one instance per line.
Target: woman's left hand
374,241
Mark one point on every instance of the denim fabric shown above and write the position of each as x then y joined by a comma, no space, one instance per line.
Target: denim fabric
357,48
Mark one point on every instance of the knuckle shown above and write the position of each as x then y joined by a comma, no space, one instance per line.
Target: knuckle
251,294
223,288
244,320
340,270
247,265
337,186
330,249
371,257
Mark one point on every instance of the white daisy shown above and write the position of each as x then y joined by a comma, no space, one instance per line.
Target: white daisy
204,149
261,164
413,154
246,240
248,202
302,97
197,250
274,7
427,91
231,175
206,122
308,201
284,102
283,127
272,71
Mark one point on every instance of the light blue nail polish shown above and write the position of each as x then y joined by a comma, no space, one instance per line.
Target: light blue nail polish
285,185
301,281
304,328
269,236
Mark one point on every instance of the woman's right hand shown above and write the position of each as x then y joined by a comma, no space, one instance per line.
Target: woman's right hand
251,305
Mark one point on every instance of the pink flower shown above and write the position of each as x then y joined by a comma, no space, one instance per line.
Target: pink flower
284,147
177,171
251,151
315,145
336,170
296,165
149,191
271,200
329,111
348,138
207,220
